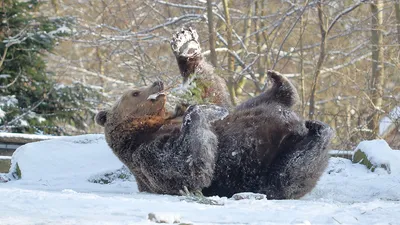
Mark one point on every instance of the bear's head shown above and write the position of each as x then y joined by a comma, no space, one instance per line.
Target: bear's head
136,103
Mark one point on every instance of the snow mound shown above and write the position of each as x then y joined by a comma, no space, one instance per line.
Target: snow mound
344,181
377,153
65,162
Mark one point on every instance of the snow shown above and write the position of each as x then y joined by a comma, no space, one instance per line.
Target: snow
387,121
40,119
61,30
346,182
380,153
2,114
164,217
54,189
8,101
24,123
341,152
59,86
26,136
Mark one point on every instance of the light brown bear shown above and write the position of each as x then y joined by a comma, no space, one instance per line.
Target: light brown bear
262,146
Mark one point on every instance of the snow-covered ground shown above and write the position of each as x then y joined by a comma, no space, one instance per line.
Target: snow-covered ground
57,187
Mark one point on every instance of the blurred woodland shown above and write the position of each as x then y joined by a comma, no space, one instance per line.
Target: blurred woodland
342,55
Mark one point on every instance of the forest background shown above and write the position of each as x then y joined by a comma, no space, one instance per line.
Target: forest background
63,60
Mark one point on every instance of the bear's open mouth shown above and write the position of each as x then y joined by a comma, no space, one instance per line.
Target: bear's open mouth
153,97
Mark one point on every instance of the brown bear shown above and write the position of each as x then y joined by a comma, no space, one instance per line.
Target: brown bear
262,146
200,83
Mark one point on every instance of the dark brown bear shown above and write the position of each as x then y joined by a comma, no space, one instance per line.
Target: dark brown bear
262,146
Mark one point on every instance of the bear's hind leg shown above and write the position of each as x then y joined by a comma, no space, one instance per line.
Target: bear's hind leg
296,171
282,92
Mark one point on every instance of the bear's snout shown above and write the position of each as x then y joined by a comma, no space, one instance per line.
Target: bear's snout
159,84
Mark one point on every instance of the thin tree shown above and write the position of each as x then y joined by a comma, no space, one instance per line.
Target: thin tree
377,78
324,30
211,33
231,60
397,8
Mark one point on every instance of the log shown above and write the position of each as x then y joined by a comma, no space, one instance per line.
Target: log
14,138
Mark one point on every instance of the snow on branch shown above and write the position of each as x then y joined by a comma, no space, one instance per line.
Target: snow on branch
344,12
13,82
241,63
172,21
180,5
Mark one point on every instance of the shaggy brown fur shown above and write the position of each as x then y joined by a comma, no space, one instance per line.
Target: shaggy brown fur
194,68
263,146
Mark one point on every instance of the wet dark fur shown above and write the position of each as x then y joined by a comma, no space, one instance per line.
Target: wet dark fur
263,147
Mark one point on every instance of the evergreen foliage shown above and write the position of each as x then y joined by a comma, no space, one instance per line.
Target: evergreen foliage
31,100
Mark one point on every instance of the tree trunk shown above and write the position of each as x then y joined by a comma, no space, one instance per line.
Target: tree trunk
397,8
247,31
377,78
56,6
231,60
302,87
261,61
211,33
322,54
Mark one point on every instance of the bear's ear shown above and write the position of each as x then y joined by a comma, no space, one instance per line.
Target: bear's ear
101,118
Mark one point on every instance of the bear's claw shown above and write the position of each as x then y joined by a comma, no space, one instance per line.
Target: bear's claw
277,77
317,127
185,43
209,113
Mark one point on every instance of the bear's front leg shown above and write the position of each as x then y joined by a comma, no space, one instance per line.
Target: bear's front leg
201,143
186,48
199,79
182,159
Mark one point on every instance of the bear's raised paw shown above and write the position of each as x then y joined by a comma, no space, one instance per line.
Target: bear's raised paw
185,43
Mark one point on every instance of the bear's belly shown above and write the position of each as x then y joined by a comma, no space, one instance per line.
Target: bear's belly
234,173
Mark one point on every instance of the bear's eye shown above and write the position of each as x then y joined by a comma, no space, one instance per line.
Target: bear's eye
136,93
